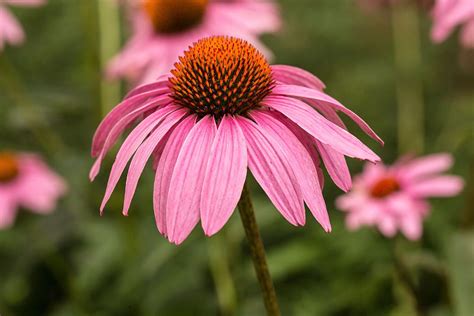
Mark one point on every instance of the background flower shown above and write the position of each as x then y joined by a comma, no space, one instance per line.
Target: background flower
26,181
447,15
395,198
11,31
163,29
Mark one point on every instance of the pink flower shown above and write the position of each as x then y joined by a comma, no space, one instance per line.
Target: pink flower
394,198
447,14
10,30
163,29
223,109
26,181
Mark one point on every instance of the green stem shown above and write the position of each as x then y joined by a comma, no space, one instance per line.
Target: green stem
257,252
408,61
220,269
109,44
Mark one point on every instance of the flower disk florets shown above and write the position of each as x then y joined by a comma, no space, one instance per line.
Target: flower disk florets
221,75
8,167
174,16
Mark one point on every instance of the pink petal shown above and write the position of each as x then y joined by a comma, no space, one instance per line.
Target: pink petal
324,101
320,128
425,166
294,75
303,166
225,176
165,167
273,171
118,112
440,186
158,85
10,30
118,128
143,154
8,210
182,209
411,226
131,144
336,166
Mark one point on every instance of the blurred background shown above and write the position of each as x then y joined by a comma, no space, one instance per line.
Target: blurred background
74,262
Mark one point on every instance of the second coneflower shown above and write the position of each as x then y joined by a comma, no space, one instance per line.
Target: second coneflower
224,109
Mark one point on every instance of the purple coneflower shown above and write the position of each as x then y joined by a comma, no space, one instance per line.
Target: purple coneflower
11,31
447,14
224,109
394,198
163,29
26,181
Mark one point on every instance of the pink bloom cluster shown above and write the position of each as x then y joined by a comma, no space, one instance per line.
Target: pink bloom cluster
26,181
11,31
149,54
394,198
448,14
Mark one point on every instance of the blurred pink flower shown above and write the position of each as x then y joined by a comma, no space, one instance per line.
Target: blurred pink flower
447,14
26,181
11,31
163,29
223,109
394,198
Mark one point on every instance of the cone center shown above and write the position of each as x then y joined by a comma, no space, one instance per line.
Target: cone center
221,75
8,167
385,187
173,16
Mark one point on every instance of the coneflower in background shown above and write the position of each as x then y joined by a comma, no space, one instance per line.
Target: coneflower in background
394,197
163,29
11,31
27,182
447,15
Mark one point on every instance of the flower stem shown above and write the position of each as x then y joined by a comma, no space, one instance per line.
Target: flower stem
257,251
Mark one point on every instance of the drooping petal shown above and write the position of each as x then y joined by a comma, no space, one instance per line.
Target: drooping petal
8,210
165,167
294,75
143,154
118,112
131,144
182,209
273,171
119,127
320,128
303,166
10,30
225,176
439,186
336,166
324,100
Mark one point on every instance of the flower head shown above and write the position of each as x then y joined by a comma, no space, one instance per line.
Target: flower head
10,30
163,29
224,109
394,198
447,14
25,181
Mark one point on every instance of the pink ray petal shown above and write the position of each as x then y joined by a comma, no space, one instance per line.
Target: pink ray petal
336,166
124,108
10,30
320,128
182,208
225,176
143,154
117,130
324,100
438,186
131,144
157,85
294,75
164,170
426,166
303,166
8,210
273,171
